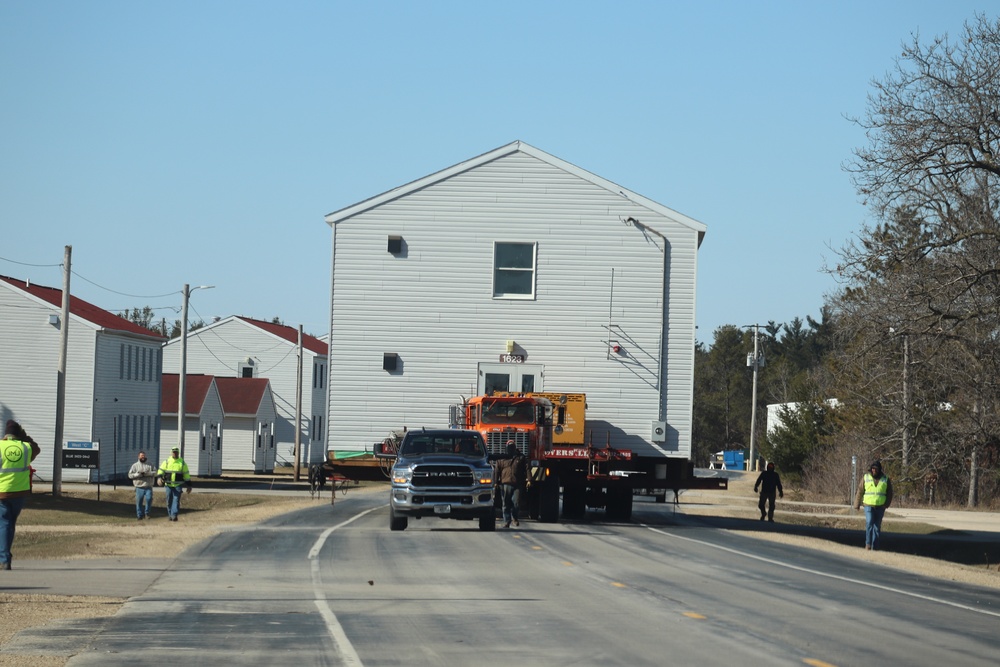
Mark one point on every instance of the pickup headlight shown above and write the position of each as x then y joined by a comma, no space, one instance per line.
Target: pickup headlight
401,475
486,476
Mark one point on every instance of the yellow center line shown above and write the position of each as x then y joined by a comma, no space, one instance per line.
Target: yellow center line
618,585
818,663
691,614
567,563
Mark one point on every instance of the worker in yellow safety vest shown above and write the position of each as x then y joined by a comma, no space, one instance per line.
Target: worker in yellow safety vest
17,451
173,474
875,493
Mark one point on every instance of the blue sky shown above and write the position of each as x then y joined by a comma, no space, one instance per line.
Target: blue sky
203,142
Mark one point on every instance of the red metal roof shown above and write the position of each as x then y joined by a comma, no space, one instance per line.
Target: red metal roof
195,391
81,308
310,343
241,395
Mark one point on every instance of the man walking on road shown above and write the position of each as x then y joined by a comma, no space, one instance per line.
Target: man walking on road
176,479
512,473
768,482
875,493
143,476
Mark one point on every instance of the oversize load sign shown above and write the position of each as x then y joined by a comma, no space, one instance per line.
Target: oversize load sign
81,455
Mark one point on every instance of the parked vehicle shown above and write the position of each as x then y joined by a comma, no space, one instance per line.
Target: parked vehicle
550,430
443,473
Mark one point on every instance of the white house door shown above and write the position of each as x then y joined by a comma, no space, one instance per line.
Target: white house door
509,377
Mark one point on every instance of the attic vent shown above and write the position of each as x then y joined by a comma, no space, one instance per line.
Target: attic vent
395,245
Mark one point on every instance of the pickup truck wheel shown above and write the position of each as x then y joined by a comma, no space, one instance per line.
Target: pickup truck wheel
397,521
488,521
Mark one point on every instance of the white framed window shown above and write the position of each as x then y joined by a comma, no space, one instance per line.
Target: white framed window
514,270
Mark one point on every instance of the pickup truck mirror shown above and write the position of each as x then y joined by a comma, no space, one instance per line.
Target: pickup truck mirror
382,451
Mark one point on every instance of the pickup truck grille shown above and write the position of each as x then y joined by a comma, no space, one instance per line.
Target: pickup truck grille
440,476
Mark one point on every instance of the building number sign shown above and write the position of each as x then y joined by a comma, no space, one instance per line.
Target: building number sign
511,358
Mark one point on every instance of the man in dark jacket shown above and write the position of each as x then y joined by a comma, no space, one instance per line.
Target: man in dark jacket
512,473
768,482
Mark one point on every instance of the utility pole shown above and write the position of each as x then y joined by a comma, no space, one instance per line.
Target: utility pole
755,359
61,376
298,410
182,378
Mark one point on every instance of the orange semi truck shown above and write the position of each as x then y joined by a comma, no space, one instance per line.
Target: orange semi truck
550,430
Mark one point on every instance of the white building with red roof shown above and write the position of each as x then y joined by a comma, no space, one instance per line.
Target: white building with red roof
113,370
242,347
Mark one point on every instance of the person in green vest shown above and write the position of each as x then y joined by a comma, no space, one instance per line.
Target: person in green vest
17,451
176,479
875,493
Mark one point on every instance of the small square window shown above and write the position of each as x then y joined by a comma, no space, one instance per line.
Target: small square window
395,245
389,361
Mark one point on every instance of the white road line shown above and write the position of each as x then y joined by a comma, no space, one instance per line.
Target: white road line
337,634
867,584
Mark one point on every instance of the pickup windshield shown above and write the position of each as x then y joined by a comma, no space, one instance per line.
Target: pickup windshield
463,444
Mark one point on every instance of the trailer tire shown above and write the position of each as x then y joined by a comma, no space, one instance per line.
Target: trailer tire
397,521
533,502
488,521
619,507
548,501
574,501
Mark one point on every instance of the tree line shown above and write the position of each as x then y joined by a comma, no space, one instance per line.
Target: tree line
909,347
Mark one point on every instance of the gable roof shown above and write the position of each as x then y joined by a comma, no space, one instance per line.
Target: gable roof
289,334
196,388
241,396
88,312
513,147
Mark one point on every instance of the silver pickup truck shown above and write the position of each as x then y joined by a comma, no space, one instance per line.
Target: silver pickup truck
443,473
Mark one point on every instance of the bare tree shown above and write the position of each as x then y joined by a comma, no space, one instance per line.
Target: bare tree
926,276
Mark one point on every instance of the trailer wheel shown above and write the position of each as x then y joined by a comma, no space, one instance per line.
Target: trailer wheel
548,501
661,497
574,501
488,521
397,521
619,507
533,502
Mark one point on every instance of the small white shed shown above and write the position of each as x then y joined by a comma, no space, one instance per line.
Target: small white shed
248,442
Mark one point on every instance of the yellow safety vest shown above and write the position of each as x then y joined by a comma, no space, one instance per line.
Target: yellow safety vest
174,472
875,493
15,473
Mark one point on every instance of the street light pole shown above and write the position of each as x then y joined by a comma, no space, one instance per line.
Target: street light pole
182,377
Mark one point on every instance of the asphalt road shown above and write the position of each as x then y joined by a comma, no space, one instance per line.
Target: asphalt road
333,586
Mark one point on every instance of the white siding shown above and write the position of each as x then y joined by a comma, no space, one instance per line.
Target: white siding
433,304
126,401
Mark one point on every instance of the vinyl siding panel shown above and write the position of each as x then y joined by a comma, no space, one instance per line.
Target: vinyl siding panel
598,279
